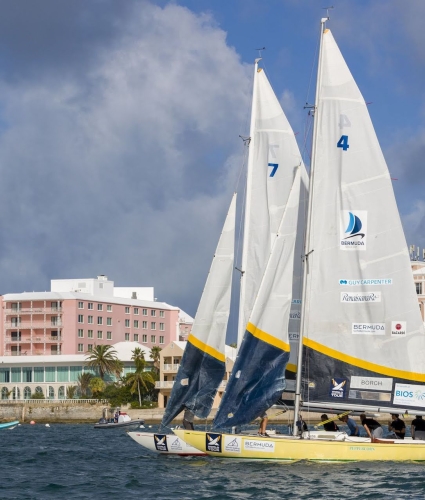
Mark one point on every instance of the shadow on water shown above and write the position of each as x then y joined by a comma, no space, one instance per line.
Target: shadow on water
77,461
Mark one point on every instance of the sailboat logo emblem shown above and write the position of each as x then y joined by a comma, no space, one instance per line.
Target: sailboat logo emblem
353,230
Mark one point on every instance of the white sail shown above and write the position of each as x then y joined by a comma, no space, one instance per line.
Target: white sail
362,323
273,158
202,367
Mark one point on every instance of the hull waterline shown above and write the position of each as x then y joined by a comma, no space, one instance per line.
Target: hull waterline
286,448
9,425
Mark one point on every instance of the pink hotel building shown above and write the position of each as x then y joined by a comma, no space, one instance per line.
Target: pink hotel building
78,313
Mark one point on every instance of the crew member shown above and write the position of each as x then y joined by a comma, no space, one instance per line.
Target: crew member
372,427
354,430
263,425
329,426
188,418
418,428
397,426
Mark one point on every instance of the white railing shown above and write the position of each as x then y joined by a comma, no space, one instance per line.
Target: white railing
32,324
33,310
164,384
171,368
56,401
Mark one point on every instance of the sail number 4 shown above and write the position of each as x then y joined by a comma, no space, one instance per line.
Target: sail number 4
274,168
342,143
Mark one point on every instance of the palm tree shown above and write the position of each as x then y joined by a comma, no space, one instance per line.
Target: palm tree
70,391
140,379
155,355
103,358
97,385
138,356
84,382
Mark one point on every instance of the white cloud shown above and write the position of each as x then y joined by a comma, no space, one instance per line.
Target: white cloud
128,171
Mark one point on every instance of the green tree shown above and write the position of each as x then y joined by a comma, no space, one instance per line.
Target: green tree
70,391
140,379
103,358
155,355
138,356
83,383
97,385
234,345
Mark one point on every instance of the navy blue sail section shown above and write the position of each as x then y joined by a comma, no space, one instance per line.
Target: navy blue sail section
257,380
201,372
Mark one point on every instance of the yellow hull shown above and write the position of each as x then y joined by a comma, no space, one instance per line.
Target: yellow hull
285,448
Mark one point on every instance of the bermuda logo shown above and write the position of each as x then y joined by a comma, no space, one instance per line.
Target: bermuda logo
353,230
160,441
213,442
337,389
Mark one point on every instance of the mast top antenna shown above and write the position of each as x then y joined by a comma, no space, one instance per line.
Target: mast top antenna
327,12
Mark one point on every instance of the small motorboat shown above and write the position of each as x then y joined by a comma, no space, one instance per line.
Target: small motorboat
9,425
120,419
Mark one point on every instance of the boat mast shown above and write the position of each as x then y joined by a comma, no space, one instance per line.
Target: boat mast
242,320
308,250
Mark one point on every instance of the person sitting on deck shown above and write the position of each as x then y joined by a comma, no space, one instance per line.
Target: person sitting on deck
372,427
188,418
329,426
418,428
397,426
354,430
301,425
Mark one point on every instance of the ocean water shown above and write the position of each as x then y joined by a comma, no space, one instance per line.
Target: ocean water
78,461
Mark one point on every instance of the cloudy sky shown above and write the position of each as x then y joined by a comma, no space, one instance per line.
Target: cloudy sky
119,125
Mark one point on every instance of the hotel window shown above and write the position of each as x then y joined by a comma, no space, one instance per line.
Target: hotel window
153,325
100,307
161,314
127,310
109,321
90,305
16,306
16,375
153,312
38,374
144,338
99,334
27,374
90,347
80,333
144,325
161,327
108,335
99,320
109,308
54,320
161,339
136,323
136,337
80,318
153,339
144,312
80,305
127,336
16,321
136,310
127,323
54,306
90,320
418,288
90,334
80,347
50,374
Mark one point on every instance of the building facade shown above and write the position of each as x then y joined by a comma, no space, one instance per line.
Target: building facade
76,314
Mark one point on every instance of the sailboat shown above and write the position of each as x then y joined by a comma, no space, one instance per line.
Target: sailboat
276,183
362,337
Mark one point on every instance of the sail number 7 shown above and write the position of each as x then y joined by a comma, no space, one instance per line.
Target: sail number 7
343,143
274,168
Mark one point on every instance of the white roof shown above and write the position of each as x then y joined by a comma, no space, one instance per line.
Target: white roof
124,353
230,352
184,317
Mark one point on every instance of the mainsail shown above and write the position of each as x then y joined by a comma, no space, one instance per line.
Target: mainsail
203,363
273,156
258,376
363,335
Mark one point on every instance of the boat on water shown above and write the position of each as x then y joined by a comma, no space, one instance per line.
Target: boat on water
362,336
9,425
119,419
165,444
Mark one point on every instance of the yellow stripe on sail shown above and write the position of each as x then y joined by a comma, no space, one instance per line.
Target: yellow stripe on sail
361,363
266,337
206,348
291,368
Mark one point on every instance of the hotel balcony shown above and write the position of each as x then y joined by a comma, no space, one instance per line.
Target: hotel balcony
35,340
27,325
171,368
33,310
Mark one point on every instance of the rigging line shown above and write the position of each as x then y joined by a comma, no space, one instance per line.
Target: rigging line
313,66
